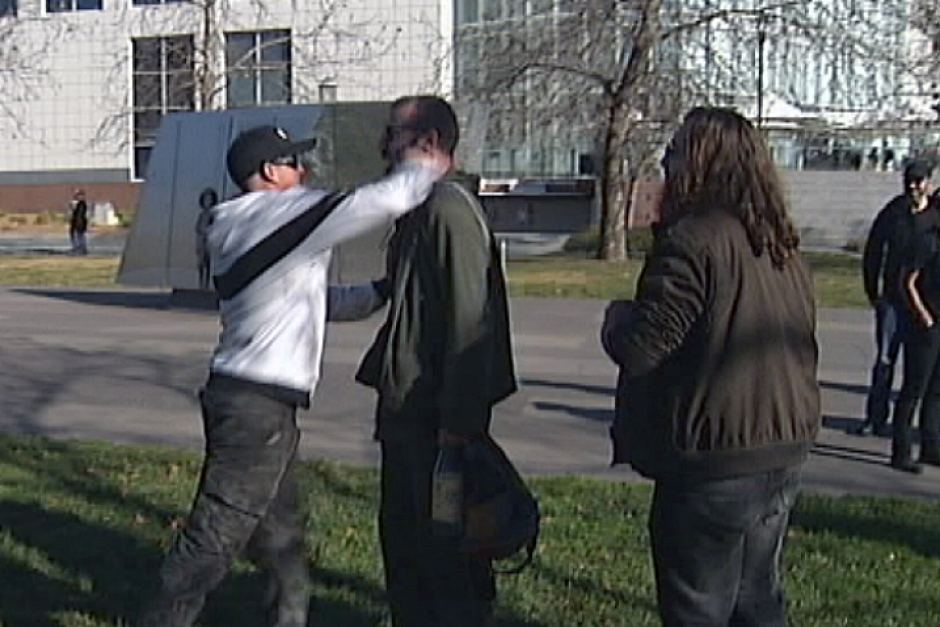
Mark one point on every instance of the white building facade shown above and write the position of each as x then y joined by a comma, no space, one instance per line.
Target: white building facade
832,77
86,82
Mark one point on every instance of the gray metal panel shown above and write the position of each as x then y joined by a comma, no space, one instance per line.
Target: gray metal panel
144,260
200,164
189,156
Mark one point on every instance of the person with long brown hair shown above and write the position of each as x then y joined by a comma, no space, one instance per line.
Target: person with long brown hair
718,356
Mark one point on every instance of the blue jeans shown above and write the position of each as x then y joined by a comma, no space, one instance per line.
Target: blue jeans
717,548
891,324
246,503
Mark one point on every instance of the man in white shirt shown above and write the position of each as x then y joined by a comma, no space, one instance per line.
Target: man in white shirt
270,251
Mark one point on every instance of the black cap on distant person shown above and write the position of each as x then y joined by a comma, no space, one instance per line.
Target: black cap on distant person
916,170
258,145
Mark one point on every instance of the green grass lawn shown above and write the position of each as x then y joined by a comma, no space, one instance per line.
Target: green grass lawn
838,276
83,526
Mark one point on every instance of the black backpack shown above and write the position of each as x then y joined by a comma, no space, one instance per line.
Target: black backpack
501,515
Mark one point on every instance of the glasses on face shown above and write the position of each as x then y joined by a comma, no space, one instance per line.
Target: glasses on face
291,161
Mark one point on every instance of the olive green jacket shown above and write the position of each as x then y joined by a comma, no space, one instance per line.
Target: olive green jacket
443,357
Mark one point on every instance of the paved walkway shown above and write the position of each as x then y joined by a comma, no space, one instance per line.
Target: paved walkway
121,366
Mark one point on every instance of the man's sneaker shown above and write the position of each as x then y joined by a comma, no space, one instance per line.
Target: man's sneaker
906,465
882,430
859,429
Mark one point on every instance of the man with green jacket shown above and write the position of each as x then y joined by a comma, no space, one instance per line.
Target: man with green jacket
439,363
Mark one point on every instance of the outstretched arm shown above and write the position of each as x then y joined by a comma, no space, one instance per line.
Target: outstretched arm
355,302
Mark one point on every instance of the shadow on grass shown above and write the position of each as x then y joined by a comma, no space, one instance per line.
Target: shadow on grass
874,520
69,474
65,563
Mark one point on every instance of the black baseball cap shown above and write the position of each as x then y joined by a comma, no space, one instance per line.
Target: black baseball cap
916,171
260,145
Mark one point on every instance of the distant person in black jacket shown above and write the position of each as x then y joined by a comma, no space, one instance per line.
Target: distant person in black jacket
920,281
896,227
78,223
719,355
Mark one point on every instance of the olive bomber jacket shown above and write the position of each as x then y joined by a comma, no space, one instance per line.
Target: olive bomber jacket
718,357
443,357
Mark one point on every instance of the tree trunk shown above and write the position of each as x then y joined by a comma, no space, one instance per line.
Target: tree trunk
613,236
613,223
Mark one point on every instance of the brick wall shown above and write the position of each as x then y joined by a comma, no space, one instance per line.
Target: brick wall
56,197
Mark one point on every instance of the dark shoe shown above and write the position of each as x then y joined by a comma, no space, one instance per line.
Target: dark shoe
860,429
906,465
882,430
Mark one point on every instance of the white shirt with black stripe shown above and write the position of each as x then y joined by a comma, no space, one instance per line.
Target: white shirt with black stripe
273,321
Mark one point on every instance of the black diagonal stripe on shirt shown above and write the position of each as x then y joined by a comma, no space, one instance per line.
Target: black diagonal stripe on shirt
273,248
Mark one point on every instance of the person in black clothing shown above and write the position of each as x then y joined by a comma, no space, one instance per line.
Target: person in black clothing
895,228
78,223
921,284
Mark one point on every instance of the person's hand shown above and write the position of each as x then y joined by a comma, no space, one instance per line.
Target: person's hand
927,320
437,160
449,438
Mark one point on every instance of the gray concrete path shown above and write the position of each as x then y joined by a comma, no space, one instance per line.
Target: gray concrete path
121,366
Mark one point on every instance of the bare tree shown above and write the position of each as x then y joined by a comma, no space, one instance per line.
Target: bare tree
925,16
23,66
620,73
197,68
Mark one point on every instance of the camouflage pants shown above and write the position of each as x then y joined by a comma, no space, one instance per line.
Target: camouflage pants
247,502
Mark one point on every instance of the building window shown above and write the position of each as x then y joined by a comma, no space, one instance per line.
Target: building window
468,11
258,68
163,83
61,6
7,8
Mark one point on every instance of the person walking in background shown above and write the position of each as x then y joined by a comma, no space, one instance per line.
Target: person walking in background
920,280
78,223
896,227
270,250
440,362
722,335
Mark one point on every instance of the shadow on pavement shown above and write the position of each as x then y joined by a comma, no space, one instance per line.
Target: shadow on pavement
589,413
850,454
195,300
110,298
567,385
852,388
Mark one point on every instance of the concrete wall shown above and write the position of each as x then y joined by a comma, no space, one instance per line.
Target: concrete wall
832,209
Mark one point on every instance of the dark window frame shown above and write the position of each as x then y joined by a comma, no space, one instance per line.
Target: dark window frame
73,6
262,55
152,88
